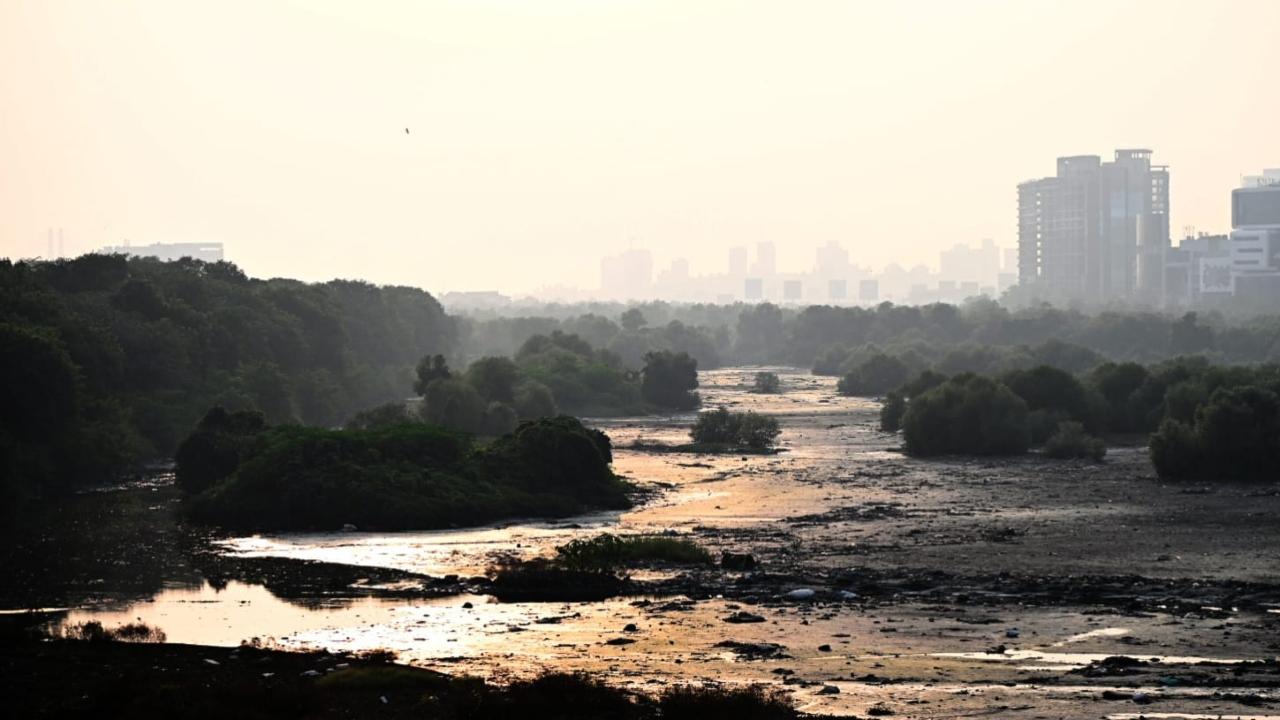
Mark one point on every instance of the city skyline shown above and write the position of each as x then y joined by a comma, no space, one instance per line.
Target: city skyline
545,136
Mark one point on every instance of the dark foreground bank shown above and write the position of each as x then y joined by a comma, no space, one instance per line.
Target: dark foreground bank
80,679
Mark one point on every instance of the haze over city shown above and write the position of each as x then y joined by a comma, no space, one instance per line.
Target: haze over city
482,145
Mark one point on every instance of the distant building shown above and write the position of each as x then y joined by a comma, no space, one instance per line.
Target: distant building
837,289
753,288
474,300
1255,237
737,262
1198,268
970,264
766,265
869,291
1097,230
168,252
791,290
628,275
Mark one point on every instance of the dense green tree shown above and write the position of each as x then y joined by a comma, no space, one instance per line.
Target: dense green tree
217,446
879,374
1236,434
494,378
968,414
1118,382
669,380
452,403
1052,396
632,320
534,400
745,430
766,382
430,369
1070,440
1187,336
382,416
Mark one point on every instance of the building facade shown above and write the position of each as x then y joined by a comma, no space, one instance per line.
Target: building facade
1255,237
1096,231
168,252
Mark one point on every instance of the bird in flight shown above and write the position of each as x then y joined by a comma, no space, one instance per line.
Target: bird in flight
406,131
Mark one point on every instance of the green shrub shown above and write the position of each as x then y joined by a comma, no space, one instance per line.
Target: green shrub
94,631
1053,396
879,374
766,383
748,430
891,412
608,550
711,701
968,414
216,448
534,400
669,380
413,477
1071,441
386,415
543,580
1236,434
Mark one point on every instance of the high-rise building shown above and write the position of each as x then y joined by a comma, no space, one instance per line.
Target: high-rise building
1255,236
970,264
628,275
869,290
738,262
837,289
1097,230
791,290
766,260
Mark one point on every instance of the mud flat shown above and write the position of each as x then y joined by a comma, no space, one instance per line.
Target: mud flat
1022,587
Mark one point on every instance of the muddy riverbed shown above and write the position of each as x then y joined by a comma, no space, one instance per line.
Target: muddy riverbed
927,588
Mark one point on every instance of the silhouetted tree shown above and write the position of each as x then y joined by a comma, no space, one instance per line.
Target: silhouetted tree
669,380
632,320
430,369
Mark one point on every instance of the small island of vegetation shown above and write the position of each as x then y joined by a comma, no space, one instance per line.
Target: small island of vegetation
242,474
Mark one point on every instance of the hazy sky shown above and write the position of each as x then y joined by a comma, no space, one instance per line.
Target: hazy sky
545,134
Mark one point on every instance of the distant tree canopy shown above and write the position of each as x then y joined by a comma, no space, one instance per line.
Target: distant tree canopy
130,353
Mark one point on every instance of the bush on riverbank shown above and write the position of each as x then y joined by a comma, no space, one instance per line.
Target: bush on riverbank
94,631
722,428
412,476
766,383
216,448
608,550
968,414
1071,441
1236,434
544,580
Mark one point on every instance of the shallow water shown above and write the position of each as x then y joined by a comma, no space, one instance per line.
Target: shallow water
867,503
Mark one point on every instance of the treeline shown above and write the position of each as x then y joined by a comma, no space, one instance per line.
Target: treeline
112,360
1205,421
550,374
979,336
